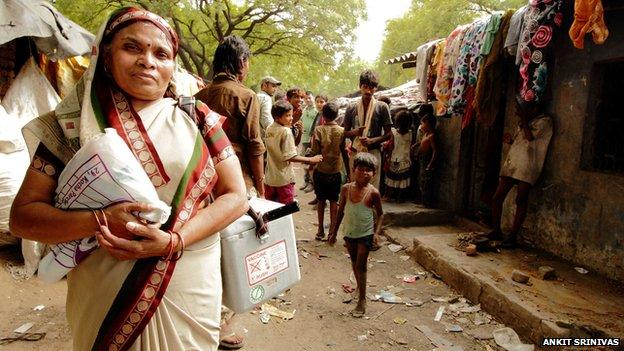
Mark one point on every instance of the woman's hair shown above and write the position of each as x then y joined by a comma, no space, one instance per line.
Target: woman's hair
370,78
365,159
280,107
228,55
330,111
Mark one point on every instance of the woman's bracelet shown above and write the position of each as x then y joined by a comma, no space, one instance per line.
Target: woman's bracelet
170,247
181,246
97,219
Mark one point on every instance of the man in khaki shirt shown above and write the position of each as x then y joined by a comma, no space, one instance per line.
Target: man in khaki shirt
230,98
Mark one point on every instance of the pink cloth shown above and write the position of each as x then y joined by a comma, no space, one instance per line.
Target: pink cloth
284,194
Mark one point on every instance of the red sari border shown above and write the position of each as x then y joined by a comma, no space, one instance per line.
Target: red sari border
130,312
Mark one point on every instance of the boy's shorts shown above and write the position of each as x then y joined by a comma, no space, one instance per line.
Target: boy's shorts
366,240
327,186
284,194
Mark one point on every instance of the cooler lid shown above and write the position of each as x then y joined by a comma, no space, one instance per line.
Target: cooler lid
245,223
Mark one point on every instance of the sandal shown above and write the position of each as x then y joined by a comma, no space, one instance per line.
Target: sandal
319,236
226,345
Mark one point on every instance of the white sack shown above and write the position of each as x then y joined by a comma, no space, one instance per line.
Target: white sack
13,164
103,172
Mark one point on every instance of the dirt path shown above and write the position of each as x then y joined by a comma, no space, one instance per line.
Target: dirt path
321,320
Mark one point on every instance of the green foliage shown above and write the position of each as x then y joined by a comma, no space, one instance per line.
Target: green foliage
425,21
295,40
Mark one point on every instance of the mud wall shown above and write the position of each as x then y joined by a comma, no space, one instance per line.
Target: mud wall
577,212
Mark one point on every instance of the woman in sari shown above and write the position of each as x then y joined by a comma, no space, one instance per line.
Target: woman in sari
138,291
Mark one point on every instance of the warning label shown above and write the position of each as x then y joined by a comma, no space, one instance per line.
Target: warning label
266,262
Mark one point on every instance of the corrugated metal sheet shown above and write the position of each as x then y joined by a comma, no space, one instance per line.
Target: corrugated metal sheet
410,56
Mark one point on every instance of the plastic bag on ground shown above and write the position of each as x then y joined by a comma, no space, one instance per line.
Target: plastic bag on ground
103,172
510,341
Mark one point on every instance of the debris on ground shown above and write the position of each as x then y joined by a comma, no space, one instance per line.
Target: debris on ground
404,257
463,307
438,315
481,333
395,248
466,239
471,250
265,317
276,312
454,328
347,288
387,297
448,299
331,292
481,318
436,339
509,340
410,278
304,253
362,337
547,273
24,328
38,308
581,270
400,320
519,277
414,303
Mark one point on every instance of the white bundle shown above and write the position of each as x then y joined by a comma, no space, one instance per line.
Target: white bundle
103,172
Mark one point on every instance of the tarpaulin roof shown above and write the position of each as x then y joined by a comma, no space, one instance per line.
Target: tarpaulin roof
54,34
410,56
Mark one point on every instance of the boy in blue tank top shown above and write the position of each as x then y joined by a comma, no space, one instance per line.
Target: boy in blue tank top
360,206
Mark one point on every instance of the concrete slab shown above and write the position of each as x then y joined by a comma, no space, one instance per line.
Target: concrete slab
408,214
573,305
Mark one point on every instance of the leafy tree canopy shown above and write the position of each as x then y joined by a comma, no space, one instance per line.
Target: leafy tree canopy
305,43
427,20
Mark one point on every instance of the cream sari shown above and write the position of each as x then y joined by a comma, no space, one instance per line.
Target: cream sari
144,304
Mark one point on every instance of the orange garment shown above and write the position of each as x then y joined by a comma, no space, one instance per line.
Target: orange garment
588,18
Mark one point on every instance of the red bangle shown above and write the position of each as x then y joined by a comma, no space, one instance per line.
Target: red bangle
181,245
169,248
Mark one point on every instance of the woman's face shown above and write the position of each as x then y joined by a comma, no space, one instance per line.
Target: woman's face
141,61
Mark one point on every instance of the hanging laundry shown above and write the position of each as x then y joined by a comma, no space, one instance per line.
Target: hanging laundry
491,30
438,54
489,90
513,35
444,81
424,54
539,24
588,18
467,68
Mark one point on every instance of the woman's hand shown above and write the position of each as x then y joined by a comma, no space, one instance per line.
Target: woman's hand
150,242
119,215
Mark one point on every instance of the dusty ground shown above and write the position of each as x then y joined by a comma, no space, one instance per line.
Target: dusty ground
321,320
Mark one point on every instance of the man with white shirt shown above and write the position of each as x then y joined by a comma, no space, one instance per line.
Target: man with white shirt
268,86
